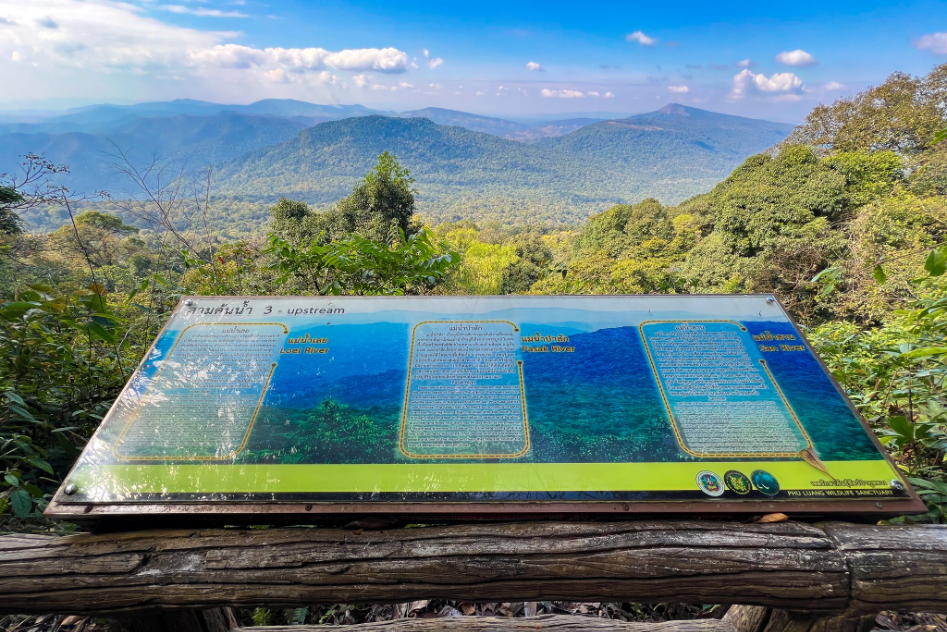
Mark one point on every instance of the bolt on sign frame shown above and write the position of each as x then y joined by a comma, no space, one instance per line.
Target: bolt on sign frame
269,409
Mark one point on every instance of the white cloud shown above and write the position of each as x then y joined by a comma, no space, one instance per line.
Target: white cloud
608,95
747,82
280,75
535,67
562,94
432,62
935,42
388,60
361,80
212,13
641,38
277,75
98,36
405,85
480,93
745,63
796,57
592,94
74,49
414,65
834,85
679,89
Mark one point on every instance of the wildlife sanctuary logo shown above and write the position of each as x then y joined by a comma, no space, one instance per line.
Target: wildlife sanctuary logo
710,483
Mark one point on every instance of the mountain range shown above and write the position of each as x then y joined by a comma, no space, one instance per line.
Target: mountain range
466,165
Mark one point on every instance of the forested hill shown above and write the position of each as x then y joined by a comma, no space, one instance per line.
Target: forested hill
671,155
473,122
674,141
188,140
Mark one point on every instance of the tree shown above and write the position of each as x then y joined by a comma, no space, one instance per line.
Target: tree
29,188
381,204
9,220
903,114
103,239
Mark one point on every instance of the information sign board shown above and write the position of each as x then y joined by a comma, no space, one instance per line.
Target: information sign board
481,405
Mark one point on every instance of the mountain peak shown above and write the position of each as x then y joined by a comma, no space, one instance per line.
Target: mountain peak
676,109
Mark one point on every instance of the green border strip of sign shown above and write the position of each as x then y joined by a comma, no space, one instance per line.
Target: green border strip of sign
465,477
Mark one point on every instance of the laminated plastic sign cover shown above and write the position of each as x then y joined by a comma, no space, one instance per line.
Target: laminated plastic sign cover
470,406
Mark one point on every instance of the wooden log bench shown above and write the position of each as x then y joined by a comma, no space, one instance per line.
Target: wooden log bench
787,577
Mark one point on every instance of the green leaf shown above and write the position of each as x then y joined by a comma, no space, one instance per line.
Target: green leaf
902,426
22,503
936,263
12,480
24,413
18,306
40,463
15,398
923,352
879,274
98,331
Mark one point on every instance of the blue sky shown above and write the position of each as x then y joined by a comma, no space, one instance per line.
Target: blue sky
771,61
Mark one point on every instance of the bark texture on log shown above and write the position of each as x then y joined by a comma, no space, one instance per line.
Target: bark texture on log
564,623
907,561
783,621
760,619
747,618
786,565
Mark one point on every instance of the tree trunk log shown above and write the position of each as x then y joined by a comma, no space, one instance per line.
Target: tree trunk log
564,623
787,565
760,619
905,561
747,618
783,621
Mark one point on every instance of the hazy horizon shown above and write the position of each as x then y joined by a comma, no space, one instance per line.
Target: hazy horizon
27,115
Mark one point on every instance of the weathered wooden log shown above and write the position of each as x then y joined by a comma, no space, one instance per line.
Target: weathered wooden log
760,619
786,565
903,561
747,618
564,623
783,621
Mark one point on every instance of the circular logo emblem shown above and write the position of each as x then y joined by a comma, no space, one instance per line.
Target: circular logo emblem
765,482
737,482
710,483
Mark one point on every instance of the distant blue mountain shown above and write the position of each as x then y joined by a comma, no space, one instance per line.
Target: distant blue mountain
467,165
672,155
